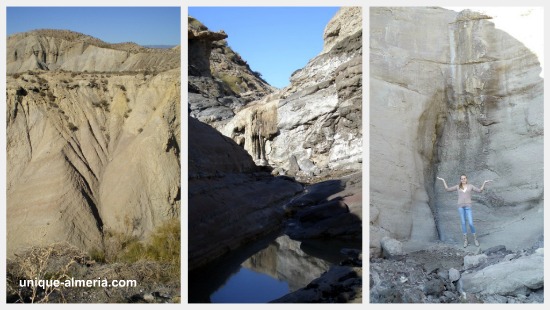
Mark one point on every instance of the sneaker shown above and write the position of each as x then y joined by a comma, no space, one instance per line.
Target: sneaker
475,240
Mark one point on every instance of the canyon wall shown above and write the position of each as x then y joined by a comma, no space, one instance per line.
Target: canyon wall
89,154
313,126
453,95
231,200
220,82
239,181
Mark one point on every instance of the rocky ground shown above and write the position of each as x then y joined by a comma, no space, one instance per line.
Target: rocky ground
341,284
326,210
449,273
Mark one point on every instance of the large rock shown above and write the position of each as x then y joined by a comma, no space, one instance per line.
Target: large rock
515,277
452,95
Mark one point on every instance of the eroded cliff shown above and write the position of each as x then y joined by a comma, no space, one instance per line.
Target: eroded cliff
313,127
449,96
89,154
51,49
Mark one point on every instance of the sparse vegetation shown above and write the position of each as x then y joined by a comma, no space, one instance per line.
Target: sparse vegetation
54,262
93,83
97,255
41,80
103,103
72,127
127,113
51,96
140,130
163,246
231,81
157,266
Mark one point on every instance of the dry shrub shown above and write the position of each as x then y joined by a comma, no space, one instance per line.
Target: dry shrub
52,262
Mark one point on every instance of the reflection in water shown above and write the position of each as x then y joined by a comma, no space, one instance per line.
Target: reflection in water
264,271
284,260
247,286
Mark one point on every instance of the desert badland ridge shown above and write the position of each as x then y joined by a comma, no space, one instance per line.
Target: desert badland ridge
93,145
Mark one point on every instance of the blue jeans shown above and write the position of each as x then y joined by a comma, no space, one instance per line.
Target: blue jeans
466,213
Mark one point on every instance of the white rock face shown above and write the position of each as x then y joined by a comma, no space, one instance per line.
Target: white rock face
317,126
449,96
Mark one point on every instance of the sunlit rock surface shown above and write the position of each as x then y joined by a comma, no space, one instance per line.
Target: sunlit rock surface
453,95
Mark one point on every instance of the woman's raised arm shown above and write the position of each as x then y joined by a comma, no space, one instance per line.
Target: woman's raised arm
449,189
483,185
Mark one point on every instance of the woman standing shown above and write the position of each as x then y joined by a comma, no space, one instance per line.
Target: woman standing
464,190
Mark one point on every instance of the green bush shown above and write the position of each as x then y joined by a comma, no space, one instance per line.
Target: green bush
97,255
164,245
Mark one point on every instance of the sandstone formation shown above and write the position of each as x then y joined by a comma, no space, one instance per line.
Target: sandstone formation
89,153
313,126
453,95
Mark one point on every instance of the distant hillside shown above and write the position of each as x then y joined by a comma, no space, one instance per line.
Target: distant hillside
51,49
160,46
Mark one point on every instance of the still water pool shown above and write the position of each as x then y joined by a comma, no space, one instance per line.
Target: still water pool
259,288
264,271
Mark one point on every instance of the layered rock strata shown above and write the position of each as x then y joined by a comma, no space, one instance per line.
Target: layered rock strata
90,154
231,200
313,126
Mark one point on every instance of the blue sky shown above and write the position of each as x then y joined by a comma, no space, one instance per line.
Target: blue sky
275,41
141,25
